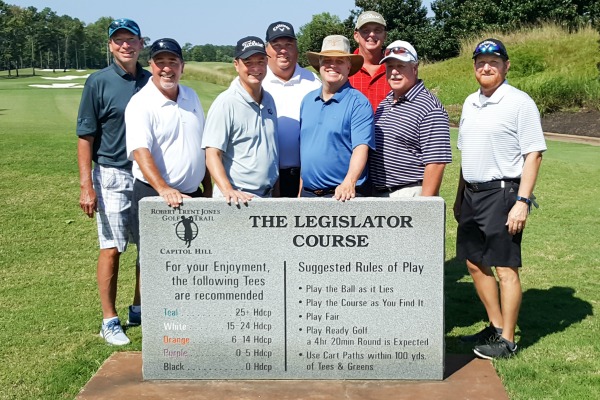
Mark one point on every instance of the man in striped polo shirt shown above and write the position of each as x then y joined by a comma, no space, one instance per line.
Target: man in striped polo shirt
501,142
412,133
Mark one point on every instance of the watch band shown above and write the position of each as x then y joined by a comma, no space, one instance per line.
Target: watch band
524,200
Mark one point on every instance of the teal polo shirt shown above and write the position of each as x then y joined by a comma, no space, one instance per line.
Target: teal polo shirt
102,112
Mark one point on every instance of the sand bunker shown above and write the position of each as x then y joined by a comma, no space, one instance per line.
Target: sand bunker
60,86
66,77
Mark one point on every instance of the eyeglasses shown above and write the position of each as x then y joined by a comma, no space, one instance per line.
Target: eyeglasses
399,50
123,23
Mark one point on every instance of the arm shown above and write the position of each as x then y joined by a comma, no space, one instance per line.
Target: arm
518,213
214,163
460,194
173,197
432,179
347,189
87,195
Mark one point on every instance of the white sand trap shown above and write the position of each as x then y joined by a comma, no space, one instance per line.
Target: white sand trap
57,69
60,86
66,77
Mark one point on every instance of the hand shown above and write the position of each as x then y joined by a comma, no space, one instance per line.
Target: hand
173,197
88,201
517,218
237,196
345,191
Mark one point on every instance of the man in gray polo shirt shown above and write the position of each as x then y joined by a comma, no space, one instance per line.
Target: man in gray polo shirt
240,132
108,188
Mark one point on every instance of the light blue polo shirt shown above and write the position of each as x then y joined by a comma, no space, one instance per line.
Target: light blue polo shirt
329,132
245,132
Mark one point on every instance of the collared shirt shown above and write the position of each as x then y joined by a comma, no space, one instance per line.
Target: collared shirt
375,87
171,131
288,96
494,136
102,112
329,132
409,134
246,133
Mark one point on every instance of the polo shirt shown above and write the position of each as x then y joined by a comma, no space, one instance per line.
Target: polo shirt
329,132
496,134
288,96
375,87
171,131
102,110
409,134
246,133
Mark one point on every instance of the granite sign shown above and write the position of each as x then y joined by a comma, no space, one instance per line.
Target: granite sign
293,289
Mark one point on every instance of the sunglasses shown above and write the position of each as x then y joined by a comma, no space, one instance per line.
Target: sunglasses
489,48
123,23
399,50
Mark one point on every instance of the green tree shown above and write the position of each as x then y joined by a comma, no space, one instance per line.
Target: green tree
311,35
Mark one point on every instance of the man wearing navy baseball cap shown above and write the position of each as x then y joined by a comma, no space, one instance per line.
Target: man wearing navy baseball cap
107,188
240,139
288,83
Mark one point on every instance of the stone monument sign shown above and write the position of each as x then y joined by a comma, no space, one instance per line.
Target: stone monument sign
293,289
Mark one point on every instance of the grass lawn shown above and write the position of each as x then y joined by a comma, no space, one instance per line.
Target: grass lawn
49,308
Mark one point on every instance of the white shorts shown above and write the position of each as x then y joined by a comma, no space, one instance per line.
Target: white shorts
114,188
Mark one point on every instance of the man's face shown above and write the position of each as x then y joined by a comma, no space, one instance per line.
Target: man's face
334,69
125,46
370,36
166,70
251,70
283,54
490,71
401,75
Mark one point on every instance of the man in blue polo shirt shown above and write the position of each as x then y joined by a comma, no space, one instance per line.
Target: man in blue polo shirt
107,189
412,133
336,126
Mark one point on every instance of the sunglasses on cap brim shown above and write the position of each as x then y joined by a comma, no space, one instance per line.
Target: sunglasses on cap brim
399,50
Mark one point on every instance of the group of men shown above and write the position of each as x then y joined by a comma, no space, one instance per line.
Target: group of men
364,126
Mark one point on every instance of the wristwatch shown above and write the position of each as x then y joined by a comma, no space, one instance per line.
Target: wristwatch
524,200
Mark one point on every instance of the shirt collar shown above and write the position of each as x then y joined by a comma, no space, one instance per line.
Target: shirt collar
295,78
338,96
237,86
496,97
160,98
124,74
412,93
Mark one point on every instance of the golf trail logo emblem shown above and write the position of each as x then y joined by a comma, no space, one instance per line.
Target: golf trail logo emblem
186,230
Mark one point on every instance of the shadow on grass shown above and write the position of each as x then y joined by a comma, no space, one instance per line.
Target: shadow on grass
543,311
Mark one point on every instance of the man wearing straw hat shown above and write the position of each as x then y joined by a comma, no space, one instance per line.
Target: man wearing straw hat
336,126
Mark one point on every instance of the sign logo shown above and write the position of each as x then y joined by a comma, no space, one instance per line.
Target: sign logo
186,230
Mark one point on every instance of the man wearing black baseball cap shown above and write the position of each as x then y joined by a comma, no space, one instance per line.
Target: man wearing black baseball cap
240,141
288,83
165,124
501,141
101,131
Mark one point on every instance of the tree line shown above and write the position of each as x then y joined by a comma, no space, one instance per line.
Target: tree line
43,39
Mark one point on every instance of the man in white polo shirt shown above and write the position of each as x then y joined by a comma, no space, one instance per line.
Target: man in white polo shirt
288,83
164,123
501,142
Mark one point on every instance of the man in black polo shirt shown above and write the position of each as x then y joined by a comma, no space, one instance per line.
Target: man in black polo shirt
107,189
412,133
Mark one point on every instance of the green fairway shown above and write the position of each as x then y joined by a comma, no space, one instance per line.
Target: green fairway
49,307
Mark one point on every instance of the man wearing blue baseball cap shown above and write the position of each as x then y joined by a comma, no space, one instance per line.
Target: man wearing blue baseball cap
107,188
501,141
240,139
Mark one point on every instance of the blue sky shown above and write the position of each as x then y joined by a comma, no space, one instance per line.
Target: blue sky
218,22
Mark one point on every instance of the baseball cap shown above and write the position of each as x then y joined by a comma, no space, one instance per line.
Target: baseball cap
280,29
249,46
336,46
166,45
369,16
400,50
124,23
491,46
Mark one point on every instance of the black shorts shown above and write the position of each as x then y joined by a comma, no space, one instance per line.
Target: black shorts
482,235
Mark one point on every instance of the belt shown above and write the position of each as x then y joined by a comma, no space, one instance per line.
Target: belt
497,184
320,192
293,171
391,189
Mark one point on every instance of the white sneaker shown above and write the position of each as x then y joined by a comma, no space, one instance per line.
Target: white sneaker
113,333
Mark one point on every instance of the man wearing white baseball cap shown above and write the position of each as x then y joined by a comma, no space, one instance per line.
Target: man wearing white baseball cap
412,132
336,126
